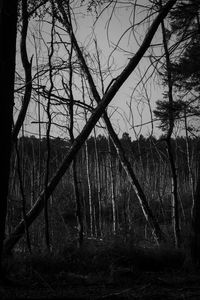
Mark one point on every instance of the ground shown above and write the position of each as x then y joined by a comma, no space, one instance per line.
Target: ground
148,285
102,271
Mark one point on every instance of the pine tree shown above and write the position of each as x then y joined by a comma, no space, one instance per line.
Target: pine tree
185,25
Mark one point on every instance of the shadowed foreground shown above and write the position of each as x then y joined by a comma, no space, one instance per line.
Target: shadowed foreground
147,286
102,271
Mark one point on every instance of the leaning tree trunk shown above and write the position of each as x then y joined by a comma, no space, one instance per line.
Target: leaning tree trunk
81,138
8,23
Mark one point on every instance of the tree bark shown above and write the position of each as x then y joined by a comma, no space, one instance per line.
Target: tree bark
79,141
195,239
174,179
27,69
89,184
48,130
112,186
8,26
89,190
189,164
98,185
21,187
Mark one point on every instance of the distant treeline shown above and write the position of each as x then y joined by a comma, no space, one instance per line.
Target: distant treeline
146,149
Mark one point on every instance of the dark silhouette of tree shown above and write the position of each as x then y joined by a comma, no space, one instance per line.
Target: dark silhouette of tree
27,65
167,116
195,241
8,25
185,24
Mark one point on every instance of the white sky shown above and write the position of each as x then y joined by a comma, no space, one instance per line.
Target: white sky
110,34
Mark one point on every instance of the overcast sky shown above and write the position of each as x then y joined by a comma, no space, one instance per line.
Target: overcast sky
116,39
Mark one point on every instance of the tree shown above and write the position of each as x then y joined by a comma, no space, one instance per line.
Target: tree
66,21
27,70
8,32
168,120
185,25
95,116
195,238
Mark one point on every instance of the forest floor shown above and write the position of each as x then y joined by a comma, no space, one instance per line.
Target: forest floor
146,286
111,272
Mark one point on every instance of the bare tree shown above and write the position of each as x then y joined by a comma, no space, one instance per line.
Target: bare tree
159,236
95,116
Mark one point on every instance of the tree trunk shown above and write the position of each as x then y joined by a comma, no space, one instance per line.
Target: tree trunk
48,130
27,69
113,198
98,185
8,24
174,179
195,241
191,177
21,186
89,190
79,204
175,206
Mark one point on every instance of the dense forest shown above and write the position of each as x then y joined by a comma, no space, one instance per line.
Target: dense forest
100,165
109,205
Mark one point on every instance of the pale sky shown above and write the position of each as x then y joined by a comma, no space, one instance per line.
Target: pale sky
116,41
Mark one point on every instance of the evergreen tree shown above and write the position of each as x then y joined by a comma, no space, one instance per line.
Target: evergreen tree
185,25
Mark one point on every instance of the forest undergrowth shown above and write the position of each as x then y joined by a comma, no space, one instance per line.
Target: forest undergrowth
102,269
